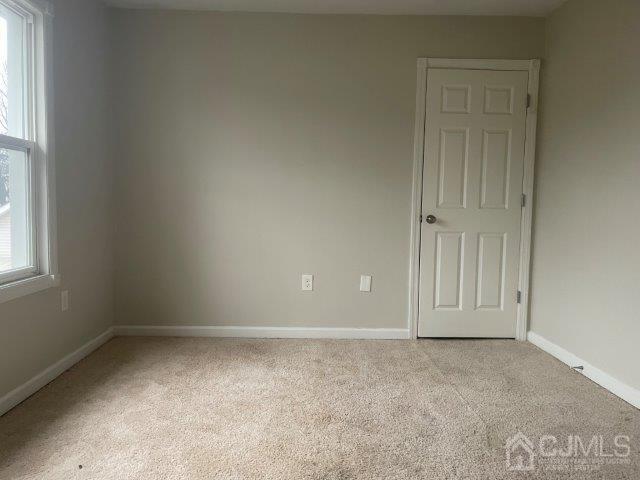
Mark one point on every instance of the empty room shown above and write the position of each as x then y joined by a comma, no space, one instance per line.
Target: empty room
323,240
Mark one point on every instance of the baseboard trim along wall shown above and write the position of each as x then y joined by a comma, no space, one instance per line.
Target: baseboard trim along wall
24,391
615,386
262,332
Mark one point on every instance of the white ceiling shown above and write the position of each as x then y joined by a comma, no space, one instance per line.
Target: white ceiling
378,7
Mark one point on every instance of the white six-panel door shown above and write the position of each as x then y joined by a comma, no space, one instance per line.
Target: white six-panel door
472,188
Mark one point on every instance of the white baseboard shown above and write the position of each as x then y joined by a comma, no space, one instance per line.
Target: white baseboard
262,332
615,386
31,386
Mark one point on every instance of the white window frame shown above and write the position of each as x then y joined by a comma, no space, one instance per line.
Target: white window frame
41,154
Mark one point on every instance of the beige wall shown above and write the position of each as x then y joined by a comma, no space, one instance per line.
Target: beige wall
586,262
35,333
255,147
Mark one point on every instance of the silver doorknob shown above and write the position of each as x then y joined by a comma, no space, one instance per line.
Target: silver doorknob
431,219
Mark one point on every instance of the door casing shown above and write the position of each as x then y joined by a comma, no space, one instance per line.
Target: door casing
423,65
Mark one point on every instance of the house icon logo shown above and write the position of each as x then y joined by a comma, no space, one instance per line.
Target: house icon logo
520,453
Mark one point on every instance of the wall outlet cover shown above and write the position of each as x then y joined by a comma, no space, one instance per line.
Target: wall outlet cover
307,283
64,300
365,283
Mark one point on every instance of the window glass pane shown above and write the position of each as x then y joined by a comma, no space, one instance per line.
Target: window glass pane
12,73
15,244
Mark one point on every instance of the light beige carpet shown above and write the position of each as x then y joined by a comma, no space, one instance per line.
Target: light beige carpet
171,408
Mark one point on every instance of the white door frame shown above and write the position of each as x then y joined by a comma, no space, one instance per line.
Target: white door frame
531,66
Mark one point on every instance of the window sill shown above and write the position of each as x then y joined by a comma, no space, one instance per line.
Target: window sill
27,286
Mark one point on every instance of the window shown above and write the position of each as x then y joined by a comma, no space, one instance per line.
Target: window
26,204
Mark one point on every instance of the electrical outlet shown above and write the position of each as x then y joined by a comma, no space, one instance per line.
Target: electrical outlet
365,283
307,283
64,300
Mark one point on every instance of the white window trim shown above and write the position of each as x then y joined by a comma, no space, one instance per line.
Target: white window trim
43,157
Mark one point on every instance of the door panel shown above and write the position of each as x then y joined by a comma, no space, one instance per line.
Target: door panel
449,256
474,155
491,251
494,185
452,171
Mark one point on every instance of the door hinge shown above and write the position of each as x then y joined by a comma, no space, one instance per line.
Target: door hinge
519,297
528,100
523,200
